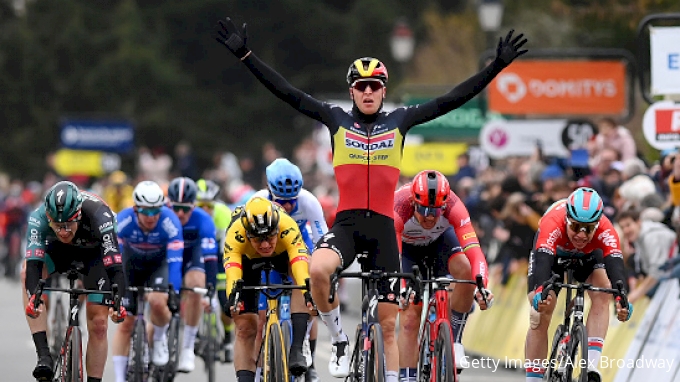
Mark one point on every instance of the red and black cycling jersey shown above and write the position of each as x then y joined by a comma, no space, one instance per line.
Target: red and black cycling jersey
367,149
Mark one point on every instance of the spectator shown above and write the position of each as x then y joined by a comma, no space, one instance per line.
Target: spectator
654,244
614,137
154,164
185,162
464,168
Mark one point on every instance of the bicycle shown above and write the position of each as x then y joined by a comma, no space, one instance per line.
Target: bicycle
58,320
273,349
69,364
435,338
369,364
571,339
210,335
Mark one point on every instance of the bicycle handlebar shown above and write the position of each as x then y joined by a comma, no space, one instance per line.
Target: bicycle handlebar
619,292
235,296
377,275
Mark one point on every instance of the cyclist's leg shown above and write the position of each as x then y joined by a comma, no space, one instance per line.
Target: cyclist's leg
97,313
386,258
335,248
409,318
194,277
246,326
38,326
299,317
121,338
309,346
536,347
593,272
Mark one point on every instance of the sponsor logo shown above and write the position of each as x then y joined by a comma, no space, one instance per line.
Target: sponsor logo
40,253
297,239
108,244
169,227
239,237
107,214
106,227
208,243
465,221
29,253
379,143
469,235
100,283
286,232
554,235
176,245
227,247
34,238
117,259
607,238
108,261
328,236
34,221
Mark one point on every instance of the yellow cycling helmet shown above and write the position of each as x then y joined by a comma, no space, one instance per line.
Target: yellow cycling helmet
260,218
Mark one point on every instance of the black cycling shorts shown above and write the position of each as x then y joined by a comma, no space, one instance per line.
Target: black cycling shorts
583,267
356,232
253,277
435,255
143,272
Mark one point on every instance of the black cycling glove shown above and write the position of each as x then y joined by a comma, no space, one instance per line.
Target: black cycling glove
508,50
232,38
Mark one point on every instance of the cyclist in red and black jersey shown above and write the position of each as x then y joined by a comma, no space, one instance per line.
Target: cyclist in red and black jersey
367,148
574,228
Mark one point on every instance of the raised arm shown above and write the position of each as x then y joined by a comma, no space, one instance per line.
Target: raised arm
235,41
508,49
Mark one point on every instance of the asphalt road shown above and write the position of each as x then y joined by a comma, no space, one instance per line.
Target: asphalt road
18,355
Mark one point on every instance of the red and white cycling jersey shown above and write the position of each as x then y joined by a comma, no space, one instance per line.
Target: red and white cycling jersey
454,215
552,235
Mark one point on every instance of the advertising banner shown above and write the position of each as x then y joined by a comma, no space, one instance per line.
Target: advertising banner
560,87
442,157
501,139
661,125
101,135
665,60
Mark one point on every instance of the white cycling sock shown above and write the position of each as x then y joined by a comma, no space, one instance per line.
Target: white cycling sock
595,345
309,326
535,372
159,332
189,336
120,363
391,376
258,374
334,325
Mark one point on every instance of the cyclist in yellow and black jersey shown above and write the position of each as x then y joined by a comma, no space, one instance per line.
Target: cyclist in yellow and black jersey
262,231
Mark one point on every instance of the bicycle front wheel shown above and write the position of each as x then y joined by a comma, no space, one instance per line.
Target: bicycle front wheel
442,360
553,372
376,355
577,367
355,365
170,369
76,356
275,368
424,354
209,348
137,364
58,327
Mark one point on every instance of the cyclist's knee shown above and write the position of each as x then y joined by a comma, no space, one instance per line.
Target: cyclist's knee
323,263
246,327
97,324
387,315
409,320
194,279
158,302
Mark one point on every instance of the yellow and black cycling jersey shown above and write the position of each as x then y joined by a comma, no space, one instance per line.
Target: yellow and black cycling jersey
289,243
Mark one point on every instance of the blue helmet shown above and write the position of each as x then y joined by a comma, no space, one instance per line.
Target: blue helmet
284,178
585,205
182,190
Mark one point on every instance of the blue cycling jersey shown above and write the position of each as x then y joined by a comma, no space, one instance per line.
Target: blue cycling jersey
200,244
165,240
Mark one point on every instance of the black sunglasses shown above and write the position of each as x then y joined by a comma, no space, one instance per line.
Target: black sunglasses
362,85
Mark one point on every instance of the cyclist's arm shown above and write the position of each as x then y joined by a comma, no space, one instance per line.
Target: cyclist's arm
174,248
36,247
233,255
542,258
609,243
314,214
281,88
454,99
403,211
459,218
297,254
209,249
104,230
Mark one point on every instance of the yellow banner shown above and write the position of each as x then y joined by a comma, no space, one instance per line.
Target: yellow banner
79,162
442,157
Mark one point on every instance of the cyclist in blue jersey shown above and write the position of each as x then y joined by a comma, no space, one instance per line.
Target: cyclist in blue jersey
150,237
284,181
200,259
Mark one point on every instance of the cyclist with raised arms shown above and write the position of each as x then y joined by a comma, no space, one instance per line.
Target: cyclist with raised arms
263,230
367,149
221,215
200,260
574,228
284,186
73,225
150,236
430,220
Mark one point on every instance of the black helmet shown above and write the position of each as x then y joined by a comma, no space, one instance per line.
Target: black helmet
260,217
63,202
367,68
182,190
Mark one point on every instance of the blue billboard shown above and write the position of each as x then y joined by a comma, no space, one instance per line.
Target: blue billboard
101,135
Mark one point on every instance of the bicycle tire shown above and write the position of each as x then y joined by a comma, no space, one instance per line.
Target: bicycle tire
136,366
170,369
355,365
287,330
209,350
76,356
58,328
443,361
424,367
275,366
376,356
552,372
578,347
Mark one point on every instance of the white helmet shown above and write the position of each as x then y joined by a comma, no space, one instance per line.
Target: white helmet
148,194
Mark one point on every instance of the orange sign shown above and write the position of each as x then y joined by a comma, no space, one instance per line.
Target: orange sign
560,87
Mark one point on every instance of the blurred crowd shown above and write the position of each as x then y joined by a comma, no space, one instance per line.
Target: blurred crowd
505,198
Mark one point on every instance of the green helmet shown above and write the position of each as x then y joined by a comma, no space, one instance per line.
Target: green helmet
63,202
